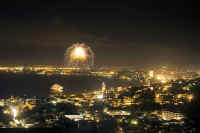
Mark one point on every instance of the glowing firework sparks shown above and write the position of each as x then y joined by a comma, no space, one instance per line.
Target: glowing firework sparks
79,55
79,52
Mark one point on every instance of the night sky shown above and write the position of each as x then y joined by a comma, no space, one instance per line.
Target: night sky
39,33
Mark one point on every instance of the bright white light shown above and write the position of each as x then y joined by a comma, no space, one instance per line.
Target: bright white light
17,121
14,112
100,96
163,81
79,52
54,102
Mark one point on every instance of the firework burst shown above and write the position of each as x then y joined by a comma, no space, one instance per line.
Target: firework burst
79,55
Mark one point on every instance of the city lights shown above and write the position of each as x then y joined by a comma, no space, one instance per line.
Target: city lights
16,121
189,97
161,78
54,102
117,101
157,95
116,69
151,74
14,112
167,115
57,88
134,122
6,111
179,96
163,81
100,96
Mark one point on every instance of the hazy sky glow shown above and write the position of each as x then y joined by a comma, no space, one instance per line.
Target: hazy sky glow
118,36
